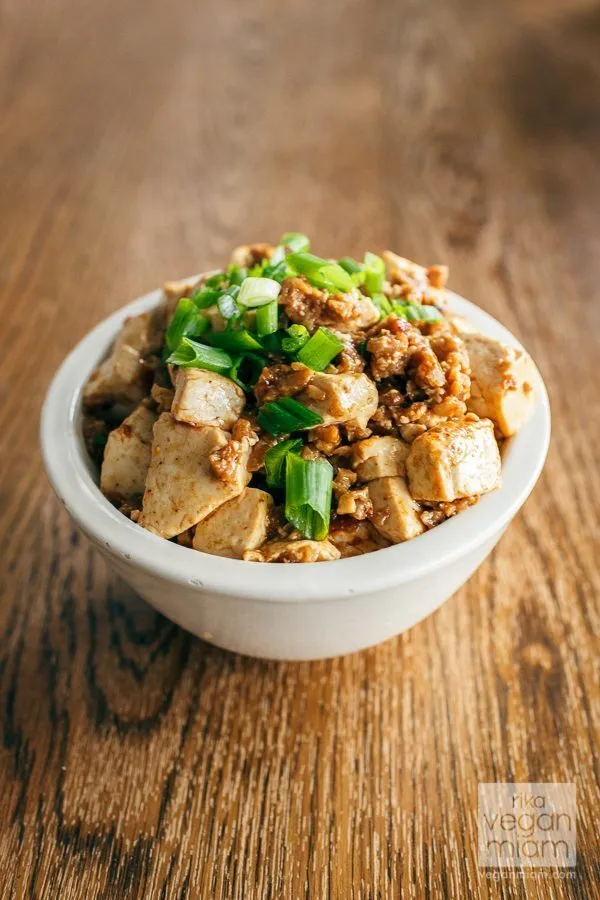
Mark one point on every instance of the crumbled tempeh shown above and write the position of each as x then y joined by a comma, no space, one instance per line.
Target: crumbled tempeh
306,305
293,552
353,537
355,503
281,380
230,461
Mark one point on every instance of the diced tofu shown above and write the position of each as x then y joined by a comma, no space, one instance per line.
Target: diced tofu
379,457
293,552
462,325
205,398
457,459
123,376
127,456
341,398
395,513
502,382
240,524
181,487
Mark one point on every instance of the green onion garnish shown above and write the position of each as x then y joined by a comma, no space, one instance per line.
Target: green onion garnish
275,269
246,370
374,273
215,281
238,341
414,312
205,296
296,337
351,266
236,274
295,242
275,460
320,272
258,291
267,318
383,304
186,321
319,350
285,416
191,354
228,307
308,495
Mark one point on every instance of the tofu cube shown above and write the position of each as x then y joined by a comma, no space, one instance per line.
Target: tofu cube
181,487
123,377
379,457
341,398
127,456
395,513
240,524
205,398
457,459
502,383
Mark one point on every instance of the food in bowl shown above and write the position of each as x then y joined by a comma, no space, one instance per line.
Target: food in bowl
291,408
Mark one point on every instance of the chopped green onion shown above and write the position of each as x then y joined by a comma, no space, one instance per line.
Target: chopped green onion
238,341
228,307
383,304
276,257
414,312
296,337
320,272
351,266
246,370
191,354
275,460
258,291
374,273
318,352
236,274
295,242
287,415
267,319
205,297
186,321
215,281
275,267
308,485
272,343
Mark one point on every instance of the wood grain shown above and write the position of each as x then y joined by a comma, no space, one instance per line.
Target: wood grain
139,142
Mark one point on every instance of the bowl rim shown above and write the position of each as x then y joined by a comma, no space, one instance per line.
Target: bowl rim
71,475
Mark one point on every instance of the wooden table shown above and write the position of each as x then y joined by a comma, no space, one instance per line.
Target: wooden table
140,142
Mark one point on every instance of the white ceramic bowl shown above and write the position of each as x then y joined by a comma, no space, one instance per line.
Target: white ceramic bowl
307,611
